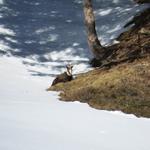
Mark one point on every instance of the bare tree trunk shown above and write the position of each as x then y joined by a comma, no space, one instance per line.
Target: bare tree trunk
93,41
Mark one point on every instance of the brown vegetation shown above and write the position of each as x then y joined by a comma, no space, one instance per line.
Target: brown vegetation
122,81
134,43
125,87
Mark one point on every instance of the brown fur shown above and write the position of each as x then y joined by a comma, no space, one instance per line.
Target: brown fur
62,78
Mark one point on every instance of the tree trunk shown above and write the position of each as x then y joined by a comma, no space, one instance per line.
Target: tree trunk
93,41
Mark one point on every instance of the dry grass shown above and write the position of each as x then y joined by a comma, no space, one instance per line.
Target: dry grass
125,87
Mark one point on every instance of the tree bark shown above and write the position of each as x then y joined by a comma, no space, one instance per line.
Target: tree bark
93,41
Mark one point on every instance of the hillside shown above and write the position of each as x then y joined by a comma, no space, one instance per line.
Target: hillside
37,39
122,81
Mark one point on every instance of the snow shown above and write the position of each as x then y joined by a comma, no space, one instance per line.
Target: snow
1,2
6,31
43,28
34,119
39,39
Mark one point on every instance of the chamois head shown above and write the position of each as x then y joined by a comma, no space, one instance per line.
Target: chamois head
69,69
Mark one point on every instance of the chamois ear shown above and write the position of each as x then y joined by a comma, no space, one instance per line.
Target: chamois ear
69,66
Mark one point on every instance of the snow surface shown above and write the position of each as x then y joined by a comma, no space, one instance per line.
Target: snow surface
33,119
1,2
37,39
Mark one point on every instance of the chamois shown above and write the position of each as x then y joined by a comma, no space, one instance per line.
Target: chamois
64,77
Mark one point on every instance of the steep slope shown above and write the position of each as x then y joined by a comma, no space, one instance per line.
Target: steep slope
34,119
122,80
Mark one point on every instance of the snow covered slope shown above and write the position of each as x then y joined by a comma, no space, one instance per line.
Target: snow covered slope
45,38
33,119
